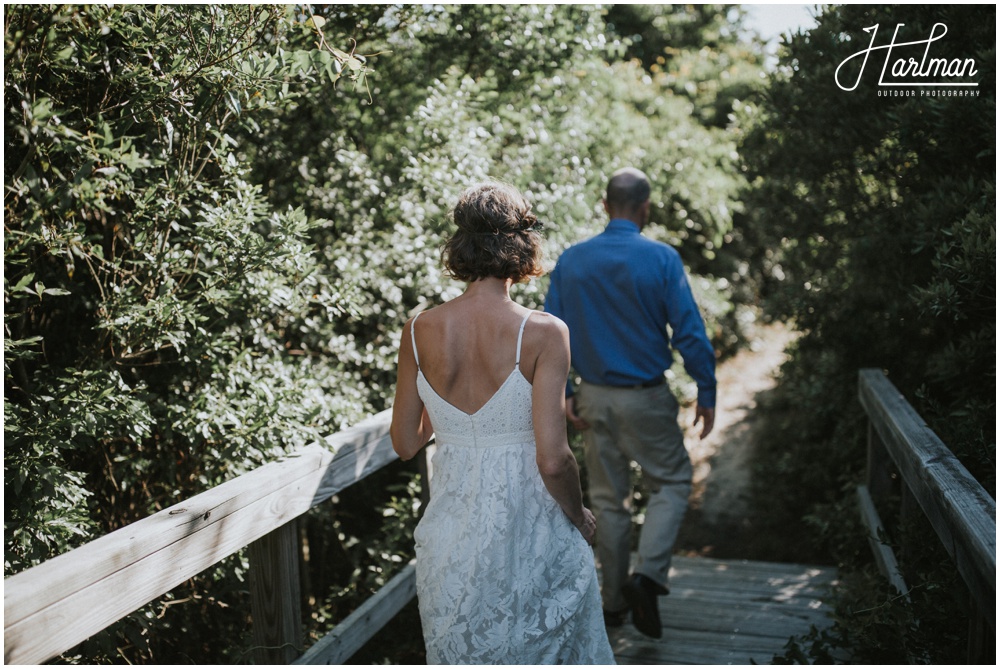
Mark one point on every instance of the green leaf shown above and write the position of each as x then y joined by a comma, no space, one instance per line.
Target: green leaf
85,170
25,280
271,66
334,76
301,62
233,102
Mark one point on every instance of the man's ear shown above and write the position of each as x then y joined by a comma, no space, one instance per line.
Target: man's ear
645,210
606,208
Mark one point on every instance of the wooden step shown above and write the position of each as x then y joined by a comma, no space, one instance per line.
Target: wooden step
729,612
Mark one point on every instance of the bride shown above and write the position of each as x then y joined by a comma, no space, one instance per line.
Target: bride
505,573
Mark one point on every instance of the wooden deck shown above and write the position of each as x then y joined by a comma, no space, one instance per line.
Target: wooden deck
729,612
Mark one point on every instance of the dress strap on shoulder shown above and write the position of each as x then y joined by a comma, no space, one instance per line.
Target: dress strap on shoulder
413,340
520,335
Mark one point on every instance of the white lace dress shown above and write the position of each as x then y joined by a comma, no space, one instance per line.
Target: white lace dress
503,577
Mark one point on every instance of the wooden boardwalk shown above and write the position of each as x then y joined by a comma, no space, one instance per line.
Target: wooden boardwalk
729,612
720,611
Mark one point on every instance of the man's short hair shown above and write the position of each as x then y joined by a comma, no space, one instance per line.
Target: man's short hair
627,189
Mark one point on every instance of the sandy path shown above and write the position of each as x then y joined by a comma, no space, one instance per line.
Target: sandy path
722,460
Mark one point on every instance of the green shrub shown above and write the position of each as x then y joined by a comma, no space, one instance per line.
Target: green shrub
218,217
873,230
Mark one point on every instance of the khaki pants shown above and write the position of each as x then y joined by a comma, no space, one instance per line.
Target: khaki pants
637,424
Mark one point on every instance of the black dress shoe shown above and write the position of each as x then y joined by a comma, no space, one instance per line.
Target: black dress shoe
615,618
640,593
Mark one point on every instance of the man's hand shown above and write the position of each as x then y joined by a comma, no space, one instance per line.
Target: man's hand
707,418
578,423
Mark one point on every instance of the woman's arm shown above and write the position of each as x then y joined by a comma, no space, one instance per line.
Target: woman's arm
411,426
556,462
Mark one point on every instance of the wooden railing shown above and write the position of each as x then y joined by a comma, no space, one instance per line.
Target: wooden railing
903,450
50,608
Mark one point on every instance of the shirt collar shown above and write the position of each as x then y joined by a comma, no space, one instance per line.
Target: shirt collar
622,225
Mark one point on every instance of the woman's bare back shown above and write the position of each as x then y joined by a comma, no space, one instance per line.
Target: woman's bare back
468,349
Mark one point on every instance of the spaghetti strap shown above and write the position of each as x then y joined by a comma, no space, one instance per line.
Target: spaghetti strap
520,335
413,340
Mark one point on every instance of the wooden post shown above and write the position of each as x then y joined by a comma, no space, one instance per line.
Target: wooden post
878,469
910,514
982,646
274,586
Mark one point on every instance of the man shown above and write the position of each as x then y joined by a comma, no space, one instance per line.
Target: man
618,292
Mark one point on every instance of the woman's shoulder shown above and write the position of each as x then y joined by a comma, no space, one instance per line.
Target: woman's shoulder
547,320
546,339
547,327
425,313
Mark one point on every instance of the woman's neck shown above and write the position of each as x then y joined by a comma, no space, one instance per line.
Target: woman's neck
489,288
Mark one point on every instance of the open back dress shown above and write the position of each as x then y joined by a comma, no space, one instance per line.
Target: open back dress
503,576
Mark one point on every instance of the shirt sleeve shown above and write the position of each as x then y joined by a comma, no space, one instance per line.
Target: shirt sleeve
688,332
554,306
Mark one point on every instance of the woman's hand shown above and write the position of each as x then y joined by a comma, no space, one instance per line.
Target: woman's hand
574,418
588,527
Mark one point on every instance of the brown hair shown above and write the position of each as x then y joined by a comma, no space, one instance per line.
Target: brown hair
496,236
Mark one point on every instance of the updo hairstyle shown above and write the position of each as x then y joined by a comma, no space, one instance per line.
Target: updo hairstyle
496,236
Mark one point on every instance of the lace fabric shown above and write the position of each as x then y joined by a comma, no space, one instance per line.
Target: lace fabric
503,577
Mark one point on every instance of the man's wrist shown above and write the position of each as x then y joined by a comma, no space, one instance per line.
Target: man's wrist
706,397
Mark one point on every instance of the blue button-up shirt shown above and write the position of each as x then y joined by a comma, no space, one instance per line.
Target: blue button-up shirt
617,292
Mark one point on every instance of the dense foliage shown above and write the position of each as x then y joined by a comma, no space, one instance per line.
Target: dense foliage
871,223
218,217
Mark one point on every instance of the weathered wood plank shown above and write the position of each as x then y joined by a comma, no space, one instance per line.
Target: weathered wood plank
775,589
41,586
884,557
68,621
961,512
729,572
770,622
737,595
767,619
358,451
739,578
52,607
711,618
752,594
356,630
695,647
748,568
